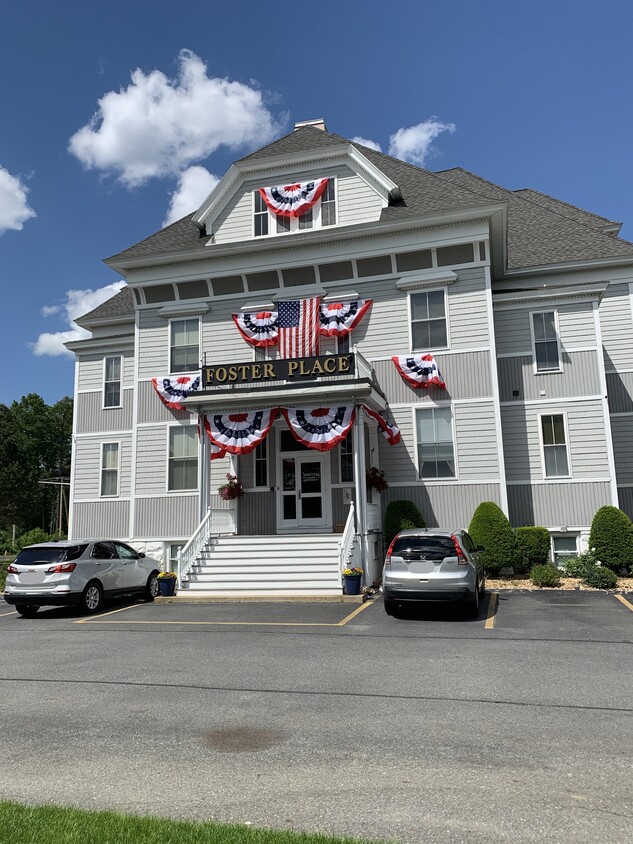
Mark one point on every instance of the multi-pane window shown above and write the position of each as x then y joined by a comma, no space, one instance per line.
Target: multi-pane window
261,464
428,320
564,547
346,451
261,216
172,562
555,457
183,458
328,205
546,351
112,382
322,213
436,452
109,469
184,347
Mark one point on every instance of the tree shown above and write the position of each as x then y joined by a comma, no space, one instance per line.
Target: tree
490,528
401,515
611,538
533,545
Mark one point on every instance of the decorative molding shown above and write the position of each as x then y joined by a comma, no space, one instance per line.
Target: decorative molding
435,278
182,310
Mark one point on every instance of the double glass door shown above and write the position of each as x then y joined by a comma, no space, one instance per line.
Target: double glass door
303,490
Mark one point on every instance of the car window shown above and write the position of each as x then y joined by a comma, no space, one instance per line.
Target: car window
430,546
469,545
75,552
102,551
39,556
124,552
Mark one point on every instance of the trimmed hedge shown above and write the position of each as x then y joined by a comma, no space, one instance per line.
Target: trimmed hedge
490,528
401,515
545,576
601,577
611,538
533,545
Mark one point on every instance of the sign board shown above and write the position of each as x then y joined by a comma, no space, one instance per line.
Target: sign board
290,370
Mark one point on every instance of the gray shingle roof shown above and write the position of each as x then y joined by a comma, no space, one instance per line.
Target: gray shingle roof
121,304
595,221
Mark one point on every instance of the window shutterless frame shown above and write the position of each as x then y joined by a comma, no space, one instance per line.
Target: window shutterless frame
346,459
192,353
546,347
260,465
323,214
428,301
112,396
110,469
442,454
550,427
564,547
172,440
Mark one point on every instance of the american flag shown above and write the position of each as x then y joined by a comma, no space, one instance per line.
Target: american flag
298,324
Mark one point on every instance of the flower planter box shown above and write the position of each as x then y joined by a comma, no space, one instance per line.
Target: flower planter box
166,586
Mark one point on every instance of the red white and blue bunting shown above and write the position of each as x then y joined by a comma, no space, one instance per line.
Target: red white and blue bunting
390,431
419,370
336,319
215,452
175,390
293,200
320,428
239,433
258,329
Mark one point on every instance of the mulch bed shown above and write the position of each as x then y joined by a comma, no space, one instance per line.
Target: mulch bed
625,584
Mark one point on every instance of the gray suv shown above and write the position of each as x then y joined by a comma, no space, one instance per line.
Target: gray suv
79,573
433,565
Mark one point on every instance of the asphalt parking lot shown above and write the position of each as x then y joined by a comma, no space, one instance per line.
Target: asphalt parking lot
515,726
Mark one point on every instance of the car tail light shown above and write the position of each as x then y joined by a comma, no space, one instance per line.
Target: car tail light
13,570
461,557
389,550
62,567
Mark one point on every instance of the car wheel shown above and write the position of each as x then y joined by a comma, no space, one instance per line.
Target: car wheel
151,587
482,587
473,604
27,610
390,606
92,597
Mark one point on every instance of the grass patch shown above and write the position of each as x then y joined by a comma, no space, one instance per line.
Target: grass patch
55,825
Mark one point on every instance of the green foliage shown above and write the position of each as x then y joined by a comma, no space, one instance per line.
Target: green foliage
533,545
3,574
601,577
545,576
401,515
32,537
490,528
611,538
580,565
6,543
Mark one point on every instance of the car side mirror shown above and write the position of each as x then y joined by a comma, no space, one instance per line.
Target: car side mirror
141,554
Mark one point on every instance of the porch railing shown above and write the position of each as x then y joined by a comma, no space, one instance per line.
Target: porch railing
346,543
215,522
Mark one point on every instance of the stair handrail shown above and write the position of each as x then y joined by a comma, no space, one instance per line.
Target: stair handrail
346,543
189,553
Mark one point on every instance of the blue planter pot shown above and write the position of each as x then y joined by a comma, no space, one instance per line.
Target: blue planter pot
351,584
167,586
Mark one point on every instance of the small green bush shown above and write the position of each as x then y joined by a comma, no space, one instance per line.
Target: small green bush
533,545
32,537
611,538
601,577
545,576
490,528
580,565
3,574
401,515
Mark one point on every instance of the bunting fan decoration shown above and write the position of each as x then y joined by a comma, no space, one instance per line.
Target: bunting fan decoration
215,451
293,200
258,329
320,428
390,431
239,433
419,370
174,390
336,319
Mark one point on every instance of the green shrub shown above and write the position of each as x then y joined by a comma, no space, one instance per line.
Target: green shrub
580,565
533,545
545,576
490,528
3,574
611,538
601,577
401,515
32,537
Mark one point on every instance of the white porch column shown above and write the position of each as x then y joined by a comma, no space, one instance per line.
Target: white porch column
361,487
205,472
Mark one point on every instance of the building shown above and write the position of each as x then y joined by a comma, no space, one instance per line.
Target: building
524,302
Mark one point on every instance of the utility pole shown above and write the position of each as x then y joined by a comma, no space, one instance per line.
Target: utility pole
61,484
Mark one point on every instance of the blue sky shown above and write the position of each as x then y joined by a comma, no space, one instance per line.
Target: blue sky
533,94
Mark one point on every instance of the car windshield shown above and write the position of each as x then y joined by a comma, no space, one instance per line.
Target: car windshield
45,556
434,547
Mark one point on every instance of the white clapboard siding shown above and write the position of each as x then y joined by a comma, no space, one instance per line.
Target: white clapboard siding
87,464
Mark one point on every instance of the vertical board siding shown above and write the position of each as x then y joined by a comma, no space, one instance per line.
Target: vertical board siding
87,465
164,518
467,376
622,433
449,507
580,377
475,433
91,417
620,391
101,518
587,441
617,327
258,513
553,505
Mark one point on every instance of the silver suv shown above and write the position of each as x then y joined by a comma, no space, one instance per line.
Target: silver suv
78,573
433,565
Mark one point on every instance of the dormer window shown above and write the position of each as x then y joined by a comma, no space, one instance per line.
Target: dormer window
266,221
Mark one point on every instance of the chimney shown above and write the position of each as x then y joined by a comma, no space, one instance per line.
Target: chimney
318,124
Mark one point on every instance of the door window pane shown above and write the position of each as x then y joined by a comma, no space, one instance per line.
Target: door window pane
261,464
311,508
289,474
311,477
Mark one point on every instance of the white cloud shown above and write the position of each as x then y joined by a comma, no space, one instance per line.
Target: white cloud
78,303
367,143
14,209
157,126
194,185
414,144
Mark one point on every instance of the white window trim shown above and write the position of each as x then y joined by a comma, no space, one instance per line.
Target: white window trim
294,221
558,343
558,535
419,477
340,462
166,553
169,324
266,486
118,469
410,322
167,459
570,473
103,391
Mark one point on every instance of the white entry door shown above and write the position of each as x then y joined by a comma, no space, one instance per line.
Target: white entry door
303,496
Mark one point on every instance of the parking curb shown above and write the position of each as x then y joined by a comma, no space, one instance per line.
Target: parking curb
263,599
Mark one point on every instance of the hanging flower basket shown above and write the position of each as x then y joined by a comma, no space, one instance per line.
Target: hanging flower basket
376,479
231,489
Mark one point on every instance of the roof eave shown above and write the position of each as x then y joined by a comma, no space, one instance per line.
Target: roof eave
570,266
